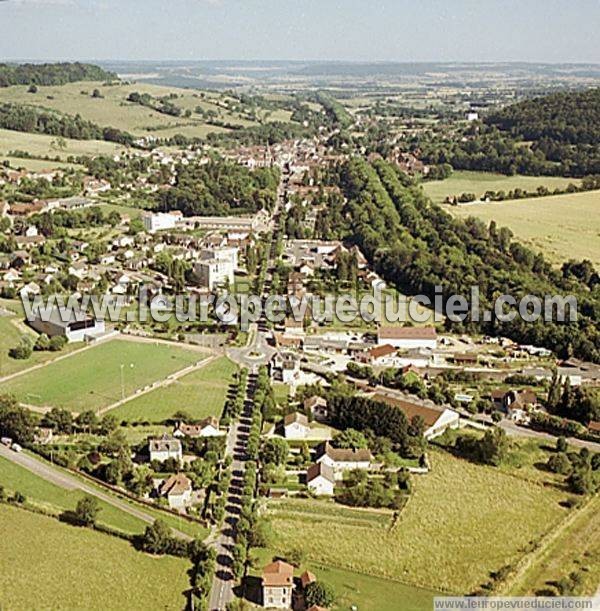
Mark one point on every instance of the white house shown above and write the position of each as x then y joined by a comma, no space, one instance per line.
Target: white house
342,460
209,427
277,585
408,337
177,489
295,426
165,448
160,221
320,479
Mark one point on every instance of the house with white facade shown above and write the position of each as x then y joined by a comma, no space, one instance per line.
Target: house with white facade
320,479
296,426
164,448
209,427
342,460
177,489
277,585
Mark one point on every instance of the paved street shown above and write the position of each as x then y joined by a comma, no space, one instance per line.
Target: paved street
59,477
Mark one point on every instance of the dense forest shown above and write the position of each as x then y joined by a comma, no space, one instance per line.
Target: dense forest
417,246
38,121
51,74
220,188
558,134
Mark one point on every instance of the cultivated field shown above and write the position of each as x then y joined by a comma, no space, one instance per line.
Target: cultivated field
114,110
577,549
480,182
41,145
48,565
463,521
200,394
92,379
562,226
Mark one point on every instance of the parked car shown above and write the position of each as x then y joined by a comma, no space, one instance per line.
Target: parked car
6,441
15,447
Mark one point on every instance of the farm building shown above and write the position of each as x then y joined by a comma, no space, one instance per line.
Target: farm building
407,337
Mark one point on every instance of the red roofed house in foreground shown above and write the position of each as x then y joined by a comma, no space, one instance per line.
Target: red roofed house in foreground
278,585
407,337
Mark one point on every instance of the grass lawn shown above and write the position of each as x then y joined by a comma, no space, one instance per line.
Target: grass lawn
463,521
200,394
92,379
48,565
57,499
480,182
11,332
562,226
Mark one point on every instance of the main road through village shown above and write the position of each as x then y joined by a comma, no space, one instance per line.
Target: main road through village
256,353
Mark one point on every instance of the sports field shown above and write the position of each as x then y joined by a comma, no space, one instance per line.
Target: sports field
562,226
462,522
200,394
480,182
92,379
48,565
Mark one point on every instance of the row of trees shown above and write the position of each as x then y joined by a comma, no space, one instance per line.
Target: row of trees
417,246
52,123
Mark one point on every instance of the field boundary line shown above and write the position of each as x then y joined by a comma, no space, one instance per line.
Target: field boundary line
530,558
161,384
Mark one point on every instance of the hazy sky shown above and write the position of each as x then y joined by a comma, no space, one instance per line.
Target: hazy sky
398,30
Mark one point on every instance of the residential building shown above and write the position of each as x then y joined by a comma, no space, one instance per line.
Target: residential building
278,585
437,421
216,267
164,448
342,460
295,426
320,479
317,407
209,427
177,489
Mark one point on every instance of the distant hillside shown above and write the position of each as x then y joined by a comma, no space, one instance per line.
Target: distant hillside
570,117
553,135
51,74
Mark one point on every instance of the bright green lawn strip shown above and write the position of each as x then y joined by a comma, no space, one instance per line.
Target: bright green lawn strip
201,393
92,379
